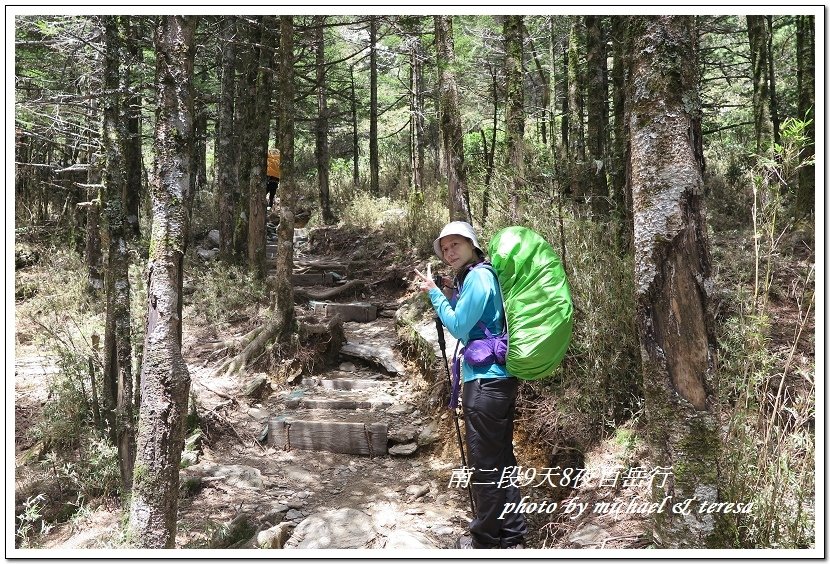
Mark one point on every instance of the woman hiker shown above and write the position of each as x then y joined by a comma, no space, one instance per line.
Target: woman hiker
489,392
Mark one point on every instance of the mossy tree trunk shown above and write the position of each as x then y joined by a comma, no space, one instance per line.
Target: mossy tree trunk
165,380
673,273
514,115
227,151
118,375
452,136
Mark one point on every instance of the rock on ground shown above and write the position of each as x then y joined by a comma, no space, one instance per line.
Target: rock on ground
337,528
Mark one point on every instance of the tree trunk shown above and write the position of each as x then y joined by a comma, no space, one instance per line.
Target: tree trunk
597,95
758,54
576,136
452,135
200,147
117,379
416,112
165,381
93,253
514,115
544,81
374,164
244,122
226,152
284,297
322,145
355,132
621,191
133,166
490,155
773,98
805,57
672,274
258,146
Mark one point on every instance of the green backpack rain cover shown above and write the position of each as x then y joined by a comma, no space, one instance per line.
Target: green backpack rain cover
537,301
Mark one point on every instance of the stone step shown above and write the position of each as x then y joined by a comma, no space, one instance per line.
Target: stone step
338,403
355,311
351,384
344,437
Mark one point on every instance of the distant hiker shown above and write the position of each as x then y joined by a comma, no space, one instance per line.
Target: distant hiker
474,313
273,173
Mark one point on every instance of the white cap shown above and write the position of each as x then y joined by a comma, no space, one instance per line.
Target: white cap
456,228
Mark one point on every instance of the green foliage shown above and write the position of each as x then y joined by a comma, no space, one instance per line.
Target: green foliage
769,445
414,222
224,292
30,521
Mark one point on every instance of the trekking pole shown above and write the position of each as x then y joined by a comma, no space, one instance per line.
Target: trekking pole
439,327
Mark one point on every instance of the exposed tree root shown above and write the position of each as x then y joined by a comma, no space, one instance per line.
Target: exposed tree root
254,344
351,286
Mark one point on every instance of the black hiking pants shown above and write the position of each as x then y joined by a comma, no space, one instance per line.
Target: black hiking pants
271,187
489,407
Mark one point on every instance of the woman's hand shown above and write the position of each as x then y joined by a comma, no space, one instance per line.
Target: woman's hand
427,283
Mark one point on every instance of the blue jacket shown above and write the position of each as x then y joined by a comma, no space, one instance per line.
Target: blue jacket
479,299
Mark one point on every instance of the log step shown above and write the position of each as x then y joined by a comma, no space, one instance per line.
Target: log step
357,311
330,436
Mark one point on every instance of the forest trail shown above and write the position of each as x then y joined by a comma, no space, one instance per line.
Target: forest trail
342,458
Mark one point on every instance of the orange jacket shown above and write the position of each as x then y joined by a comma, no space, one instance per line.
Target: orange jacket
274,163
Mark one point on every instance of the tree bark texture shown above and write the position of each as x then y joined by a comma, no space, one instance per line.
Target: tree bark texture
165,381
259,147
416,112
118,376
596,69
805,71
226,150
758,55
576,126
514,115
244,122
672,273
621,190
322,129
133,165
284,298
355,132
452,136
374,158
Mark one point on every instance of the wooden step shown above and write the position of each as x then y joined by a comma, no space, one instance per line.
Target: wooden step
356,311
330,436
313,279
